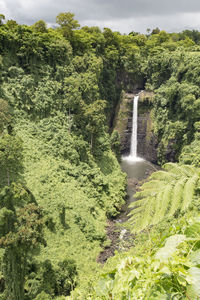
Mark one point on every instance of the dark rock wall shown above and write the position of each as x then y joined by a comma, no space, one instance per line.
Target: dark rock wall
126,136
123,120
147,142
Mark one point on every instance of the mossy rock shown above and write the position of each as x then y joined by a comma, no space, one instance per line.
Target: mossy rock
145,101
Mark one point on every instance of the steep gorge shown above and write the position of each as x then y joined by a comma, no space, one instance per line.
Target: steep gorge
62,95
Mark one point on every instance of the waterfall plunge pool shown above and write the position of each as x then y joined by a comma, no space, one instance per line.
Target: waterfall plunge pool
137,170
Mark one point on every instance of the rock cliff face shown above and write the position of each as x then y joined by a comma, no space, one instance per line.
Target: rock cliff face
147,142
123,121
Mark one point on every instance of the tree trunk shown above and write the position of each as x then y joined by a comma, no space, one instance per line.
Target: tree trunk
8,177
13,269
91,141
69,121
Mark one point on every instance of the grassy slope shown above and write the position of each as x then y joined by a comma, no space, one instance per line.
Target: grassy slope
57,183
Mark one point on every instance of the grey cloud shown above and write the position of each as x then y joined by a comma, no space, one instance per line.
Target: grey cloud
111,12
136,8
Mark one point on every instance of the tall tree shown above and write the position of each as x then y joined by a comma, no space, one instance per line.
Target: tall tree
40,26
67,23
5,116
95,118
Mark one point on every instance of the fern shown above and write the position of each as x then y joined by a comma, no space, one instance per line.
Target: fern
166,197
189,190
177,195
166,192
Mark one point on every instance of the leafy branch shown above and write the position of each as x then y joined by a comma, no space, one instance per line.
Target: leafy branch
167,192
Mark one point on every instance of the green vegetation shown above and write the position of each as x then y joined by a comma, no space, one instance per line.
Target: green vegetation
59,175
165,193
21,220
54,149
164,264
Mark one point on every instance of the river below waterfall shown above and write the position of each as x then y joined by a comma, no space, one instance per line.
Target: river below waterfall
137,171
120,238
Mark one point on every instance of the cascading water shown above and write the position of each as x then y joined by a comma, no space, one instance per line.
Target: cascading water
133,151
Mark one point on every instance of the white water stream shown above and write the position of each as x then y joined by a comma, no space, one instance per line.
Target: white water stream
133,150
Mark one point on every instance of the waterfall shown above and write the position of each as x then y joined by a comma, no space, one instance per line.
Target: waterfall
132,158
133,151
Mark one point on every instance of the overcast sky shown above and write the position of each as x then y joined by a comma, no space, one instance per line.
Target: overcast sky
120,15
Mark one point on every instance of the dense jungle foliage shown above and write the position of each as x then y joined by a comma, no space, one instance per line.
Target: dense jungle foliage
59,175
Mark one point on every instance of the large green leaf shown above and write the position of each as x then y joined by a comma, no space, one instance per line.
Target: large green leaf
193,230
195,257
170,247
163,195
194,283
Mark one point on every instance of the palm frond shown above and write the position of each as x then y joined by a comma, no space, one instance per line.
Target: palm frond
163,175
165,202
158,207
166,191
177,195
188,191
